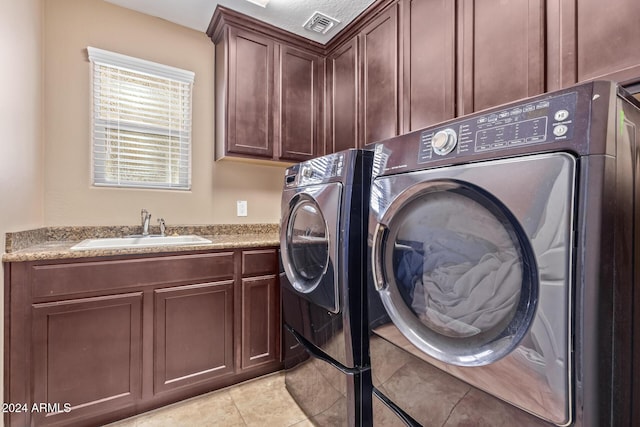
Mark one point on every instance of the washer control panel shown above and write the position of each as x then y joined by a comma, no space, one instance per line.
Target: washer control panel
544,120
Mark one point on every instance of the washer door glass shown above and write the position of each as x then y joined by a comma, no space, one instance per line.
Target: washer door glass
456,273
307,245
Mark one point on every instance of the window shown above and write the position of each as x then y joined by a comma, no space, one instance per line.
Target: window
141,122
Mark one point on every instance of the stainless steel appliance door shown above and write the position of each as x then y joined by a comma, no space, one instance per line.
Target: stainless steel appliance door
309,239
473,266
456,272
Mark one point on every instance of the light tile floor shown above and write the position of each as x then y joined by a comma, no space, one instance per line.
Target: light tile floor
260,402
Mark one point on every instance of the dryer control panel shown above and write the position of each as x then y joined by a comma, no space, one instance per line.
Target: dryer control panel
543,120
315,171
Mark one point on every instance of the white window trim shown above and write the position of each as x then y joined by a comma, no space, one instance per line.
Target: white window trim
100,126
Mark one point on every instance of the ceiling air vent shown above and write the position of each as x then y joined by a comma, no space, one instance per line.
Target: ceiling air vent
320,23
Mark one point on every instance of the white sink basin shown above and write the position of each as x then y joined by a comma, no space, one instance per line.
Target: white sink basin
139,242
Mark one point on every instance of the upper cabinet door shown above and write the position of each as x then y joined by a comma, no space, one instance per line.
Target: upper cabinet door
250,92
380,113
593,39
608,39
300,104
429,29
501,52
342,108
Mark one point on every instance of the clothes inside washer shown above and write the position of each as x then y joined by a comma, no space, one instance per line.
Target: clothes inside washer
472,271
408,264
466,299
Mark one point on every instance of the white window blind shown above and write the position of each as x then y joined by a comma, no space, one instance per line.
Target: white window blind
141,122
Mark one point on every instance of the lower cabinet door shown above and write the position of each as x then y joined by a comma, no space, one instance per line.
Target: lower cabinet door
193,334
86,358
260,321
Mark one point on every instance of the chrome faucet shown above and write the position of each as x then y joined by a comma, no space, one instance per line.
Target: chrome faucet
146,218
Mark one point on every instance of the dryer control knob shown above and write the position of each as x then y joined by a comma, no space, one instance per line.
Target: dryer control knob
444,141
307,172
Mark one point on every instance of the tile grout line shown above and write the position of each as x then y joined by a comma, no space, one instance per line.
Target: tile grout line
238,409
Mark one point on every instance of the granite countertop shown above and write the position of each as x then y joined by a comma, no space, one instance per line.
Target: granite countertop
55,242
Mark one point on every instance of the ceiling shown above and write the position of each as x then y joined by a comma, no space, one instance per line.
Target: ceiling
289,15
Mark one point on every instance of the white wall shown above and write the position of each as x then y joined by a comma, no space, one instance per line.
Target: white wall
21,161
71,26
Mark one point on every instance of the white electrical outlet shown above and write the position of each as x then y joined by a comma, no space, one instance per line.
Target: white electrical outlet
242,207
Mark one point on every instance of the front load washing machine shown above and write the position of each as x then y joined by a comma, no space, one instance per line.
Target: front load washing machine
502,249
323,232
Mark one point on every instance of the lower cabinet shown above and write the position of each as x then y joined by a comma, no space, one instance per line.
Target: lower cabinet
260,309
90,341
86,357
193,336
259,298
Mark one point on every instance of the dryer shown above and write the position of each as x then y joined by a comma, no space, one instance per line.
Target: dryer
323,232
502,248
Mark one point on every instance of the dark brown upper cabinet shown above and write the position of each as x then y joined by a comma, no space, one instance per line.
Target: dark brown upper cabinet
467,55
406,64
429,28
342,108
500,52
245,79
380,112
299,75
608,39
593,39
268,87
409,64
363,86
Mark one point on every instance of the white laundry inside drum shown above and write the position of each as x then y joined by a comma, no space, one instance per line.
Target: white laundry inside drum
471,274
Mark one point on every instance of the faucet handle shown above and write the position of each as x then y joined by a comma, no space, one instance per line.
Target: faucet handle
163,226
